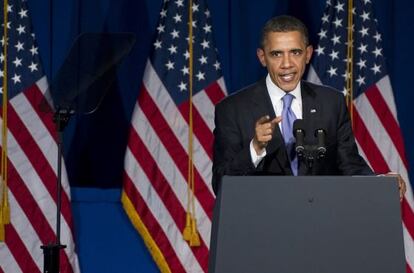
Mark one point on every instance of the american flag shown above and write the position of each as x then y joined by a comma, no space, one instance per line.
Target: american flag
155,193
32,155
374,113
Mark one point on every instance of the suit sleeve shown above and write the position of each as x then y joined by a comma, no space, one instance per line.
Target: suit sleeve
231,151
349,160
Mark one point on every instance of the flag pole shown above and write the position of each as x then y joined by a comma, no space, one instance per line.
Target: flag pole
350,62
190,232
187,230
4,205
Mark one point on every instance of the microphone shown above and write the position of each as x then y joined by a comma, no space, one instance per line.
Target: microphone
320,134
299,134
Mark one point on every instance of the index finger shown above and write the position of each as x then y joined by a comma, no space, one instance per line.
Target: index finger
276,120
263,119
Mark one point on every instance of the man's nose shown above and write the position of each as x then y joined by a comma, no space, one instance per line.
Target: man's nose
286,61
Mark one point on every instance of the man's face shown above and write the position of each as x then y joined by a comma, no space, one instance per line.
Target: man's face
285,55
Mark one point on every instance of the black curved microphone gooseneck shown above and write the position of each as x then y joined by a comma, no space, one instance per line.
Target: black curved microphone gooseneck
320,135
299,134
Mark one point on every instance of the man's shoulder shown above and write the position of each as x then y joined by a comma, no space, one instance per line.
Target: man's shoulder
244,95
322,90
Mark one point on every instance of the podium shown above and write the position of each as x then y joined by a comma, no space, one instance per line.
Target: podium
307,224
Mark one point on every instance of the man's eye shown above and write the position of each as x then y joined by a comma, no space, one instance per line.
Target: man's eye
275,54
296,52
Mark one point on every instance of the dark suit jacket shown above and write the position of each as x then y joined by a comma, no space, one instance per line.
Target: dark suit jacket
322,107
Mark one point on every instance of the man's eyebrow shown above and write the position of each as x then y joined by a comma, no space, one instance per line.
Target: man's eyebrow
290,50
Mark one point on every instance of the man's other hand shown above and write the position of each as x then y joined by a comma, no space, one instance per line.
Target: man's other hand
401,183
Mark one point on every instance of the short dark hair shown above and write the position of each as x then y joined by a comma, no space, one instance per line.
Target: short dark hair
284,23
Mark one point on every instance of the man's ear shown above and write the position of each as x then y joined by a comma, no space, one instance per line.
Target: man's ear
309,51
261,56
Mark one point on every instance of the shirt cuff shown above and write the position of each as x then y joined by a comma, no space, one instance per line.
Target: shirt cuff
255,157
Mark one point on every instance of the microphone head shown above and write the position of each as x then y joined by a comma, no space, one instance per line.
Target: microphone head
298,124
320,131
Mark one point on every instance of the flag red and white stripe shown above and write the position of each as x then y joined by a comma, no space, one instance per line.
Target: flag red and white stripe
32,173
379,137
156,172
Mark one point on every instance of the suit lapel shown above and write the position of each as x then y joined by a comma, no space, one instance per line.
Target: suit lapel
261,100
263,106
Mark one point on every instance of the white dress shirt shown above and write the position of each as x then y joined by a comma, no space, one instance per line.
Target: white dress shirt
276,94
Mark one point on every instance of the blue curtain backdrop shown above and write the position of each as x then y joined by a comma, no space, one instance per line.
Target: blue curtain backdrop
95,145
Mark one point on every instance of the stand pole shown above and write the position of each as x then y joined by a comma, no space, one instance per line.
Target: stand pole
51,251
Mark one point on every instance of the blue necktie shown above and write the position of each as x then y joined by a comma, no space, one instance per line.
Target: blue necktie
288,117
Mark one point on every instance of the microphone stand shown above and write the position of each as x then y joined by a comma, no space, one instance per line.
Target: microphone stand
306,152
309,154
51,251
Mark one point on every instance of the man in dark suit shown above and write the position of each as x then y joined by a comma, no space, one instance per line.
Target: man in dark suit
252,138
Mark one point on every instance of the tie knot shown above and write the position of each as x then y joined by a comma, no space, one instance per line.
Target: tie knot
287,100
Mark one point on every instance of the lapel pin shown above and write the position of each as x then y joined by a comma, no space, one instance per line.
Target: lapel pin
313,110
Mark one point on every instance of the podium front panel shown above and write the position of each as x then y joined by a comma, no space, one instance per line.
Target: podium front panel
270,224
